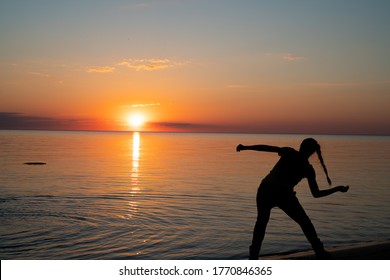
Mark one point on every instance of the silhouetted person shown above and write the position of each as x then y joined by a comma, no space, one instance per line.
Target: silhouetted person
277,189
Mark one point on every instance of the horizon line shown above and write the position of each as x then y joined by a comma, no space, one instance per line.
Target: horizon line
196,132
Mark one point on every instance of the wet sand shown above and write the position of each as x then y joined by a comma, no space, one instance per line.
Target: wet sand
378,250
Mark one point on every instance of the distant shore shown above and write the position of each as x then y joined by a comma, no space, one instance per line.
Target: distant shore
375,250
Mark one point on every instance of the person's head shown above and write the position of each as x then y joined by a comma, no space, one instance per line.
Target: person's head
308,147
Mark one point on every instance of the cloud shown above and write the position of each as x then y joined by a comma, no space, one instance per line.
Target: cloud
39,74
20,121
292,57
145,105
150,64
183,127
100,69
14,120
140,105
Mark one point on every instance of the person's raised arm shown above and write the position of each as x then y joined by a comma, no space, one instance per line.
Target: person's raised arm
316,192
259,148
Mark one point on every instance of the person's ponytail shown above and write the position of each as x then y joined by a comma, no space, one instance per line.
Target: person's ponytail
318,150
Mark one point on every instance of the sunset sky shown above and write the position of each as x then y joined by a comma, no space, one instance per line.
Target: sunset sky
196,65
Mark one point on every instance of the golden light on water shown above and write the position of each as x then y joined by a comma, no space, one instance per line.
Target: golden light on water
135,158
134,188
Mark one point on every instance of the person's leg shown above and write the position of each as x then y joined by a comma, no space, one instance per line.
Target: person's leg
263,214
295,211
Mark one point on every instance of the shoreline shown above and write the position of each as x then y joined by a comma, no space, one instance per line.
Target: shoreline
372,250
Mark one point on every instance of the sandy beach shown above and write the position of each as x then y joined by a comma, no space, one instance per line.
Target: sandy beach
375,250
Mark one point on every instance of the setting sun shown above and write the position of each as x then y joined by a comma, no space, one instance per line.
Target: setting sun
136,120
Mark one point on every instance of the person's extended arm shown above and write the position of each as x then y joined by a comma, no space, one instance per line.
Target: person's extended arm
260,148
316,192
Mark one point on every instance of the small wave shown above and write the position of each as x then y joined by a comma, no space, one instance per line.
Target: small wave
7,199
27,215
15,198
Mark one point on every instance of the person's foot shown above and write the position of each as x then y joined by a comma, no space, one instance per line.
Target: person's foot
253,253
323,255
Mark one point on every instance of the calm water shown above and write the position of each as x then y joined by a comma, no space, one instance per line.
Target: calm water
175,196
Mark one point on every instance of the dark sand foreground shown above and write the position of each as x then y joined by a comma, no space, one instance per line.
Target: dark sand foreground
379,250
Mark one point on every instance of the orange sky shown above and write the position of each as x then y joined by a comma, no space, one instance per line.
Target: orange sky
196,66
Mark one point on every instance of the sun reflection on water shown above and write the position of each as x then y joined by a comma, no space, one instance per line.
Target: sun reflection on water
135,158
134,187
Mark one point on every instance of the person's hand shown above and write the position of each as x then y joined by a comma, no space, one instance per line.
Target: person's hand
343,188
239,148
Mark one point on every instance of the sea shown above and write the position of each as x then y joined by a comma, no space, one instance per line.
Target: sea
176,196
